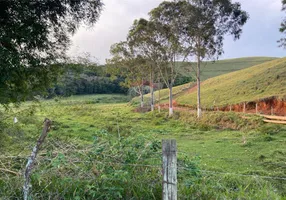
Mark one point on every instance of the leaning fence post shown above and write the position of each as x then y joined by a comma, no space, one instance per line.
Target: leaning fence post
169,152
32,158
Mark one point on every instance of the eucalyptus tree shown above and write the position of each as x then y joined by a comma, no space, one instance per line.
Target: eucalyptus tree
204,24
167,36
34,37
143,39
282,41
127,64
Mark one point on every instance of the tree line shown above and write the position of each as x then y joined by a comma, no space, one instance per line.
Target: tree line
82,76
176,32
82,79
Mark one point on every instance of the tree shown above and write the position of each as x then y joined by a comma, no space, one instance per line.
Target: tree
168,35
34,36
204,24
282,41
127,64
142,38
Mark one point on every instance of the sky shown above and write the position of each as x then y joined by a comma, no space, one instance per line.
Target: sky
259,37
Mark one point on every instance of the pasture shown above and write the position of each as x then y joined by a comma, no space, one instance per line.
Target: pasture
99,148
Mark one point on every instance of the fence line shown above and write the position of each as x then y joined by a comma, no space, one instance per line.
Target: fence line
184,168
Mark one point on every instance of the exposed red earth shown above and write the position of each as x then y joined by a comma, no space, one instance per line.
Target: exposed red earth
268,106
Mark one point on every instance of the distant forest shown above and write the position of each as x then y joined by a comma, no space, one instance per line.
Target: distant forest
81,79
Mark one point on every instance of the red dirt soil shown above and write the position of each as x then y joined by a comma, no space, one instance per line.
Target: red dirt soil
269,106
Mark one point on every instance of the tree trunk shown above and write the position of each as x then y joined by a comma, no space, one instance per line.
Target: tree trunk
141,100
171,112
159,99
141,96
199,111
152,91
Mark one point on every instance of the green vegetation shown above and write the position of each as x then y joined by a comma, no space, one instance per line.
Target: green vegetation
209,70
83,79
282,41
102,147
31,57
261,81
106,151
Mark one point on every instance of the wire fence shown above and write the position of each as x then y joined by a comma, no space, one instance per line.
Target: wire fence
69,166
17,162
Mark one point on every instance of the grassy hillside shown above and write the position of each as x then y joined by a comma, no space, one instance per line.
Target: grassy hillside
213,69
209,70
261,81
164,94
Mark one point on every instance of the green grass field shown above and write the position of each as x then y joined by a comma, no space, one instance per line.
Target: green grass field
93,148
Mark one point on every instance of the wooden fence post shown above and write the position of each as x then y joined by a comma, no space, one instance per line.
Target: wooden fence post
272,110
244,107
32,159
230,108
169,152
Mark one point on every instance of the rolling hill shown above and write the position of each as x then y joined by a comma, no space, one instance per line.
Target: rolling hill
257,82
212,69
209,70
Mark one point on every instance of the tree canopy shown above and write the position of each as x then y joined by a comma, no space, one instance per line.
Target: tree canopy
34,36
282,41
198,28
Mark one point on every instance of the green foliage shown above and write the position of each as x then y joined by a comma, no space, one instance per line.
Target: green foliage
181,80
126,63
34,36
82,79
282,29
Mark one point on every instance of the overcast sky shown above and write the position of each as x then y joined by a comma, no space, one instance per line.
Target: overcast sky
258,39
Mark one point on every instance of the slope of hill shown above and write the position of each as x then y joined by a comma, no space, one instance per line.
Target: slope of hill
257,82
209,70
212,69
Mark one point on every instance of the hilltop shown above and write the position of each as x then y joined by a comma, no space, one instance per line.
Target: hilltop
213,69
